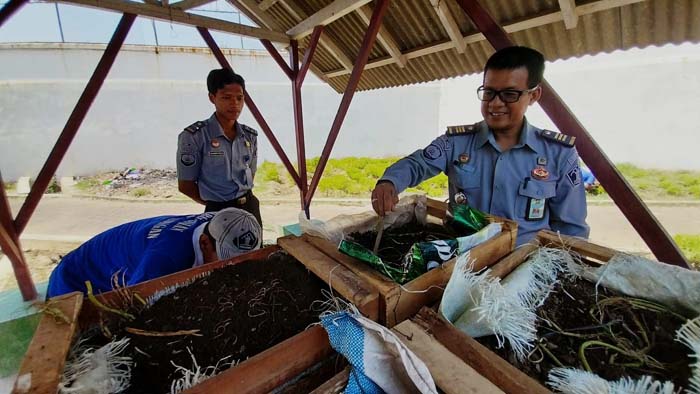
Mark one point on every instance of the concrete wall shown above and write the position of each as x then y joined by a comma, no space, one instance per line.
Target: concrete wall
149,98
640,106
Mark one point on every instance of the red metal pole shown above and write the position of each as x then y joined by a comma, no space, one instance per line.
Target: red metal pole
297,76
9,9
374,24
74,121
253,108
638,214
278,58
9,242
309,54
299,124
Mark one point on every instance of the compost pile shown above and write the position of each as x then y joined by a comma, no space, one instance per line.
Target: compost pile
397,242
610,334
234,313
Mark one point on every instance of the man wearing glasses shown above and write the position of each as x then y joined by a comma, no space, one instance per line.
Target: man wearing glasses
502,165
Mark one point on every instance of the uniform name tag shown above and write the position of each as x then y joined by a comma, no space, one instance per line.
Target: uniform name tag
535,208
216,153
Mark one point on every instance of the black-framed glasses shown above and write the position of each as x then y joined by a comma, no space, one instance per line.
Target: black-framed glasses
506,95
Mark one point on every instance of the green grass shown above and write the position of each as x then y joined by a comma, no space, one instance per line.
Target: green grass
15,336
651,183
690,245
356,177
10,186
269,172
53,187
86,184
140,192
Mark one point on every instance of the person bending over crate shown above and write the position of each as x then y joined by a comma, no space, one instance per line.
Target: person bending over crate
149,248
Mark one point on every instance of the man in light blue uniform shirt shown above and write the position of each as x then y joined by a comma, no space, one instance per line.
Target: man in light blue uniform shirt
217,157
502,165
149,248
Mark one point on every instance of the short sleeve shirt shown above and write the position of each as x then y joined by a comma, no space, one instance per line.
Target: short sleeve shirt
223,169
537,182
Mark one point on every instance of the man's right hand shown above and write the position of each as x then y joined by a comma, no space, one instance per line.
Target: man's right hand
384,198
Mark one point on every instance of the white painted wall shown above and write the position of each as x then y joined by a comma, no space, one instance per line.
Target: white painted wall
640,106
149,98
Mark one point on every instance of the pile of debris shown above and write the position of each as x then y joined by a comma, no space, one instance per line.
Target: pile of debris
132,182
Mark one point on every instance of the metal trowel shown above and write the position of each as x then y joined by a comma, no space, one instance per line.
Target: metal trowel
380,231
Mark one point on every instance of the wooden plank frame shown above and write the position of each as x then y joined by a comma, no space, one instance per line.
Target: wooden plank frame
396,302
487,363
40,371
258,374
450,374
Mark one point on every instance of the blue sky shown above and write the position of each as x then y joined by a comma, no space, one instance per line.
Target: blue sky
38,22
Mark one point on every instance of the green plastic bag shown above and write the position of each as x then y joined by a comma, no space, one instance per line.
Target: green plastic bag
401,272
467,218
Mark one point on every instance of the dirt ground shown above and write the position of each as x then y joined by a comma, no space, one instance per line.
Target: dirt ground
42,257
61,223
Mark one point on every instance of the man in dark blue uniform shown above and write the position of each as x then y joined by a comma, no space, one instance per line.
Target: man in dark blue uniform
153,247
502,165
217,158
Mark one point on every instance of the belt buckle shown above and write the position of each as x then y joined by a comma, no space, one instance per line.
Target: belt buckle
242,200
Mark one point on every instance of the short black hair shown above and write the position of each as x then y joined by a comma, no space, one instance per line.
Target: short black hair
514,57
221,77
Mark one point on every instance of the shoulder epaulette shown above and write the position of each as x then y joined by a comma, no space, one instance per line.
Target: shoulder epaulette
462,129
195,127
563,139
249,129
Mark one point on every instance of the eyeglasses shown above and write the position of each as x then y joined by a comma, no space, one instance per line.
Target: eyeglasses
506,95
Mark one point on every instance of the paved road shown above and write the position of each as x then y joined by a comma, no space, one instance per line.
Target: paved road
77,219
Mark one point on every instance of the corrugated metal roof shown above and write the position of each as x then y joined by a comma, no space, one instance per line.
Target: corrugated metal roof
603,26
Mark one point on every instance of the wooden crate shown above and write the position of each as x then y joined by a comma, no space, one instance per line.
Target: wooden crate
43,363
483,360
396,302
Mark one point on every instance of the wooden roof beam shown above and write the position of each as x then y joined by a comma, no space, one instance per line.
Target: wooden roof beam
179,16
262,19
568,13
327,43
542,20
450,24
324,16
189,4
384,37
265,4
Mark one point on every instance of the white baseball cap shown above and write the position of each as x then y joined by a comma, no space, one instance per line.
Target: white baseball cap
235,231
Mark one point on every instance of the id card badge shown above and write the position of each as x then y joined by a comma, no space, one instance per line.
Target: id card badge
535,208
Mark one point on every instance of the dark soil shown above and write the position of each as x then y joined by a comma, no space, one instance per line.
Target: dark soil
239,310
622,325
396,242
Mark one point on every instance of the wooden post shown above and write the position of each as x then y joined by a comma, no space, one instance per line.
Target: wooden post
42,366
